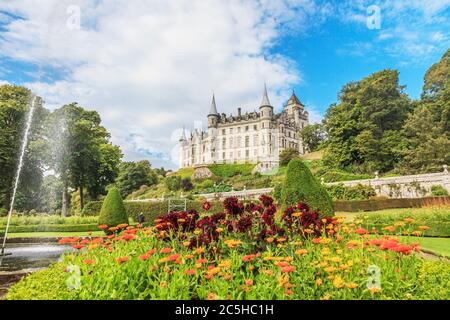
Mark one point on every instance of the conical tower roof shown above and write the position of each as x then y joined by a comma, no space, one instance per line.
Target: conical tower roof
213,109
293,99
265,100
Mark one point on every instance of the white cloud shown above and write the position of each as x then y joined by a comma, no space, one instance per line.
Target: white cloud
3,82
149,67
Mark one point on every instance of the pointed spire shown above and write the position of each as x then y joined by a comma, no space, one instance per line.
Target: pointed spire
265,100
293,99
213,110
183,135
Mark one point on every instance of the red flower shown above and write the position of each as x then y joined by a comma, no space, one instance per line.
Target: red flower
316,240
97,240
174,257
248,258
206,206
122,259
128,237
144,257
190,272
288,269
165,250
151,251
88,261
248,282
78,246
361,231
103,226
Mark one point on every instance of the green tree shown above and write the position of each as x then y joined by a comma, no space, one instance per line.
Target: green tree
313,135
364,128
287,155
133,175
113,211
301,186
80,152
427,129
173,183
15,104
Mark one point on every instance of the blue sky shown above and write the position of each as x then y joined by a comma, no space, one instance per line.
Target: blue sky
150,67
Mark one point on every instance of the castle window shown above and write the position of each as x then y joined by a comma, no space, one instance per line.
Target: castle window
255,127
246,128
239,142
231,130
224,142
247,141
231,142
223,131
255,140
247,153
239,129
223,155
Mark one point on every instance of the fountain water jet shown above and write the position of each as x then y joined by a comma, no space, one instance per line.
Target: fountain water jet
19,169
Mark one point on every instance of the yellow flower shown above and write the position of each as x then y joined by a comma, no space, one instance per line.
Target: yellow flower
325,297
186,243
325,251
338,282
325,240
323,264
199,250
399,224
417,233
232,243
330,269
336,259
298,243
319,282
301,251
296,214
352,285
375,290
213,271
196,232
219,230
225,264
344,266
281,239
269,240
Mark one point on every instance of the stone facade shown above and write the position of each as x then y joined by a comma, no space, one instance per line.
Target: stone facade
251,137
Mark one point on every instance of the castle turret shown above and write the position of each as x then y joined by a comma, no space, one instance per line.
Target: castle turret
266,109
213,115
294,108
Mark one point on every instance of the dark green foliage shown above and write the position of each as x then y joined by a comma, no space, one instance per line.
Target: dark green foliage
54,228
276,193
173,183
230,170
92,208
133,175
186,184
313,135
287,155
364,128
358,192
301,186
438,191
381,204
113,211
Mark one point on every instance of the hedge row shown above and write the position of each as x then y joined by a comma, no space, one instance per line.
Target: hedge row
381,204
437,228
150,210
52,228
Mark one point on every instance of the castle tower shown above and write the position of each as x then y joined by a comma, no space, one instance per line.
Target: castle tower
294,108
213,115
265,108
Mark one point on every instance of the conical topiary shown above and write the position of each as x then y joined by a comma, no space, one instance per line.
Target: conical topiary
113,211
301,186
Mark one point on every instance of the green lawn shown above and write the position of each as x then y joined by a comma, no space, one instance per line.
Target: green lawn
54,234
440,246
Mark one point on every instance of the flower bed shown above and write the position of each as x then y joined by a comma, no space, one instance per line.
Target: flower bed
243,252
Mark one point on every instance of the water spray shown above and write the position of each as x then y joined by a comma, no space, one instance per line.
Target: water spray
19,169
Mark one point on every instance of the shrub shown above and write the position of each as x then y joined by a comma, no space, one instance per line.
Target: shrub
358,192
380,204
173,183
52,228
113,211
438,191
301,186
230,170
92,208
287,155
186,184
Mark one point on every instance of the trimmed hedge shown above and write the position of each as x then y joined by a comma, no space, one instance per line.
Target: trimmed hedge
150,210
381,204
113,211
51,228
358,192
230,170
300,185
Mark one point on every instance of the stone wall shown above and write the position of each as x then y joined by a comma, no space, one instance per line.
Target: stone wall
411,186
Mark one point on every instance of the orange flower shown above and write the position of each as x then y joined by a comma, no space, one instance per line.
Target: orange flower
88,261
248,258
164,260
97,240
269,240
424,228
227,277
151,251
165,250
122,225
128,237
103,226
189,256
144,257
361,231
249,282
122,259
211,296
408,220
190,272
389,228
174,257
201,260
78,246
282,264
301,251
288,269
213,270
208,276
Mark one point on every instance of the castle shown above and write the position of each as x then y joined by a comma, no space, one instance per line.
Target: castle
255,137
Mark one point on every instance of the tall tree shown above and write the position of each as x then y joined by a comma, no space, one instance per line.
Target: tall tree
133,175
364,128
427,129
15,104
313,135
80,152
